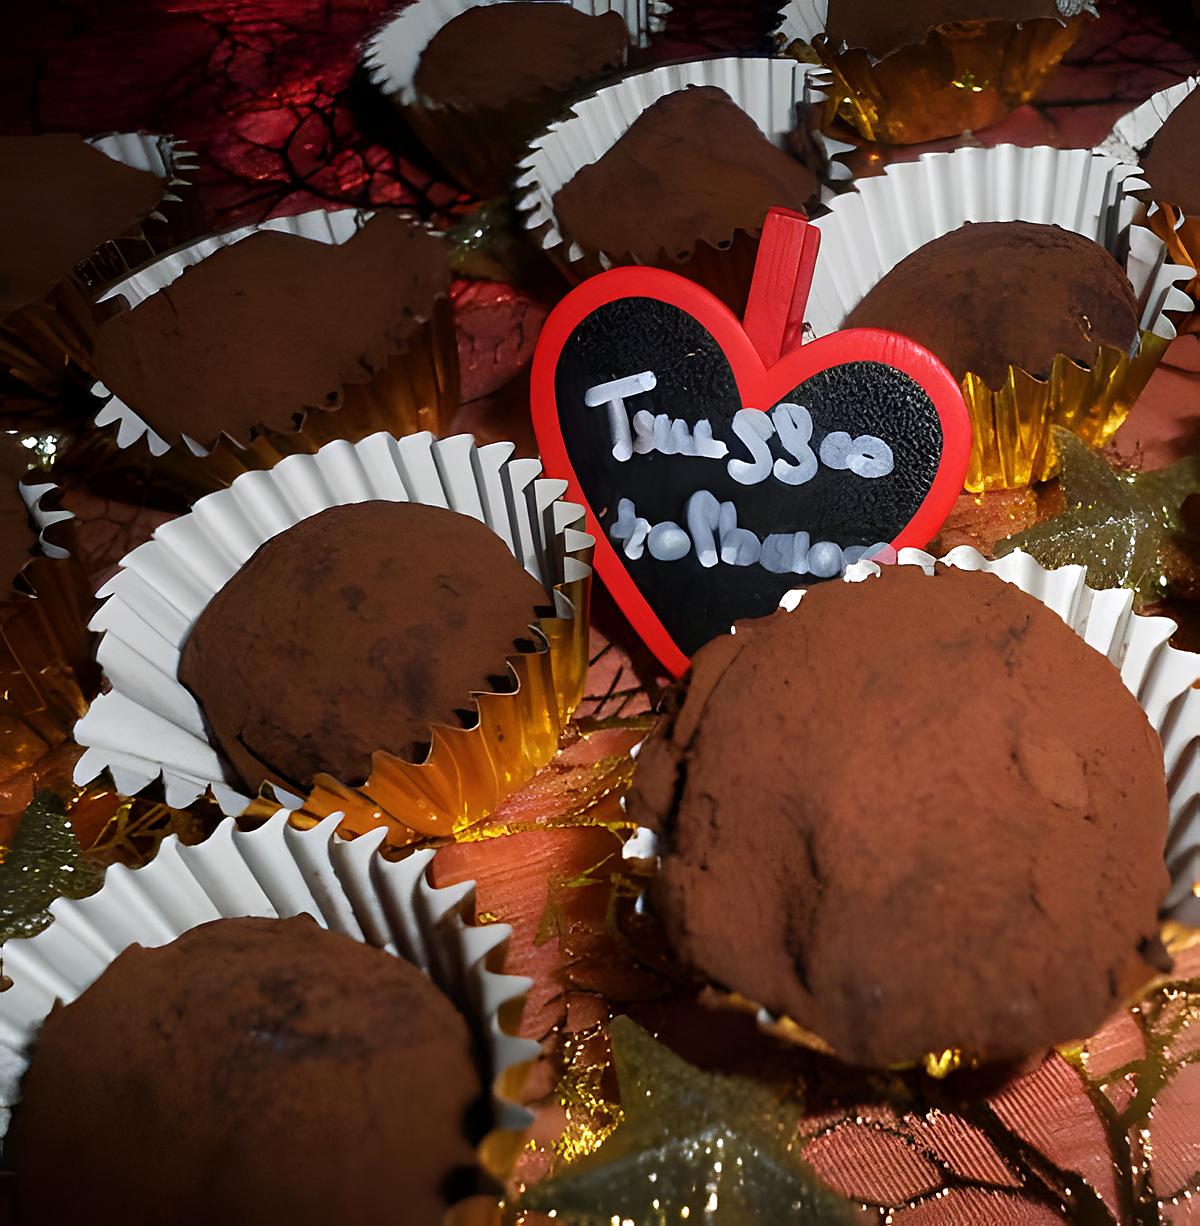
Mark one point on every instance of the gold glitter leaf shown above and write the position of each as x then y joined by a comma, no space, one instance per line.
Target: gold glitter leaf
693,1146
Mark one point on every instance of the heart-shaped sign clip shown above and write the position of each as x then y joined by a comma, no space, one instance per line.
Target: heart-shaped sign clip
714,480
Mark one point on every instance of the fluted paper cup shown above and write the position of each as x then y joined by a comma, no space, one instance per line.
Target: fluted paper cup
418,386
48,344
480,145
1128,142
275,871
868,232
769,91
148,726
962,76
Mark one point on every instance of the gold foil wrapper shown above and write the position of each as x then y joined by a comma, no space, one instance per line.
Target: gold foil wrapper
469,771
417,390
48,344
47,675
962,77
1012,444
1181,235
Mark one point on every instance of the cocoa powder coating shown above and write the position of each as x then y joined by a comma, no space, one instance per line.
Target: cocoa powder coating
356,630
915,814
496,54
692,167
991,295
254,1070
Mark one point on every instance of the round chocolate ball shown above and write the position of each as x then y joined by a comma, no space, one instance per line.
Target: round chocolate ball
355,630
253,1071
991,295
918,813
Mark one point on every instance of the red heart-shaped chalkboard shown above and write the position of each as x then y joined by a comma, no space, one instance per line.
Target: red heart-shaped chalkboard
702,516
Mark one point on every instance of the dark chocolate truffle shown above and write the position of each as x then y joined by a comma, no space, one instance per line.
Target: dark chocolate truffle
916,814
61,200
1170,166
884,26
272,328
496,54
255,1071
353,631
693,166
996,294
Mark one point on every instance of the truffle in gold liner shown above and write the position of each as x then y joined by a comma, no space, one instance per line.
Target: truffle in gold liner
469,771
1012,427
148,725
964,76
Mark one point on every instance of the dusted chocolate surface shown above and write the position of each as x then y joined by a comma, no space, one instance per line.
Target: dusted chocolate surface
883,26
1171,165
354,631
61,200
495,54
255,1070
990,295
694,166
270,329
916,814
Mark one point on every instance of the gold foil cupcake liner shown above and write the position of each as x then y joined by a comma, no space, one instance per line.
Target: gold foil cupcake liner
479,146
148,726
417,390
769,91
1128,141
870,230
48,344
1166,683
47,675
963,76
275,871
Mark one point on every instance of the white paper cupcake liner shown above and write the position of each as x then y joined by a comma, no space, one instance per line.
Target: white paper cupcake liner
768,90
869,230
318,225
275,871
164,156
394,51
1134,131
1132,134
806,19
148,725
44,518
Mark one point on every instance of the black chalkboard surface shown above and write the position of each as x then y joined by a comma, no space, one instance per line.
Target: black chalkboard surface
714,484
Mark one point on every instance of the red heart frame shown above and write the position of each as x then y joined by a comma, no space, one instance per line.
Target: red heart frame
759,387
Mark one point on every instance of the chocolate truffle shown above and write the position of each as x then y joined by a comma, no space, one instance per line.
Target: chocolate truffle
356,630
62,199
254,1070
1170,166
272,328
656,191
996,294
883,26
918,813
496,54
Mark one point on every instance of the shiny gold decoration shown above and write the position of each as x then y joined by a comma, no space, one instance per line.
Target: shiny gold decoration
1182,238
44,861
718,1150
1123,526
1012,427
469,771
962,77
47,345
136,828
